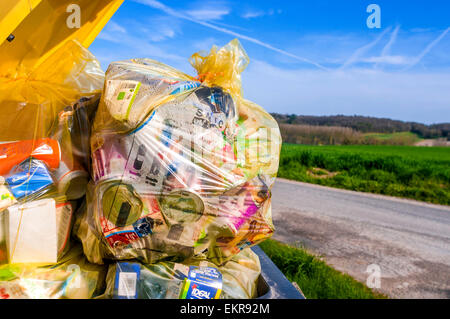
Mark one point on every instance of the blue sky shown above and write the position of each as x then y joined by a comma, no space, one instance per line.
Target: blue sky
307,57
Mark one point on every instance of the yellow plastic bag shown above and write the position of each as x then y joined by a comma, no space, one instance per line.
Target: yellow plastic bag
182,165
30,100
44,151
71,278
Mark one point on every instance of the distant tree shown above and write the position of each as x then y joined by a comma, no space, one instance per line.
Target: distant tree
366,124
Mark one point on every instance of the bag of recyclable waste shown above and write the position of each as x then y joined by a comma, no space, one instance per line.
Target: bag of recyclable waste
46,115
181,165
71,278
196,278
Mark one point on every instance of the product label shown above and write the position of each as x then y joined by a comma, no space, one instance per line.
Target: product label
143,227
29,179
127,279
12,290
202,283
184,86
119,97
121,238
63,222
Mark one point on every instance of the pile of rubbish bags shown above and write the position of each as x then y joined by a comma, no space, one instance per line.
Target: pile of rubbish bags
141,182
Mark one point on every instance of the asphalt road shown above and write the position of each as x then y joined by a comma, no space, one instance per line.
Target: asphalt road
408,240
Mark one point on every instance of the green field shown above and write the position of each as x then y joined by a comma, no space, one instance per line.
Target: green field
398,138
315,278
385,136
421,173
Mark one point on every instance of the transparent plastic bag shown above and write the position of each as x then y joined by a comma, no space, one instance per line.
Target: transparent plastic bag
71,278
196,278
181,165
46,115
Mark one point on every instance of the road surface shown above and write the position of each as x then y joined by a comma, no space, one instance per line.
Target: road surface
408,240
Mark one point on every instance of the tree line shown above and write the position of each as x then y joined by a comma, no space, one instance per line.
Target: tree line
364,124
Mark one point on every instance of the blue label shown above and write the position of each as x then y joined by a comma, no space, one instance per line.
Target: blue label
200,291
207,275
30,178
143,227
185,86
202,283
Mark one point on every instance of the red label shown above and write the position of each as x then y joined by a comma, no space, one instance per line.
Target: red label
123,238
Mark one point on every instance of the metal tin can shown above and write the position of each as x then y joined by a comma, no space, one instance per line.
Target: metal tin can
121,204
182,206
109,157
71,182
126,217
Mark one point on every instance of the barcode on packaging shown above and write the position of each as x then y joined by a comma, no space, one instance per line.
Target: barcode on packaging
127,284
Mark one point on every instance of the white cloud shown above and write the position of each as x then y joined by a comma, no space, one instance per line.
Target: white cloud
160,28
204,44
420,30
388,59
156,29
208,14
135,42
253,14
163,33
230,26
115,27
364,49
112,32
421,97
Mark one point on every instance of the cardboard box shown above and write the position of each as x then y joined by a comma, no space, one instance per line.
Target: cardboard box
32,235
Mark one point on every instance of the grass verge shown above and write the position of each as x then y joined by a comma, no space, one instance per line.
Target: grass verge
315,278
421,173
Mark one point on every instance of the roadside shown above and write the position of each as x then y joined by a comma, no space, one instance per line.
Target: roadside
314,277
408,240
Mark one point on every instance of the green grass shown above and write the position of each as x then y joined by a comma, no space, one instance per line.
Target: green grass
421,173
315,278
389,135
406,136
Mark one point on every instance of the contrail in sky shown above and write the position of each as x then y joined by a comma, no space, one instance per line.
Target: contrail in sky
360,51
392,39
427,49
158,5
